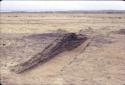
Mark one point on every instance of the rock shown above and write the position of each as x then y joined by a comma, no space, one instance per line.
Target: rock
29,50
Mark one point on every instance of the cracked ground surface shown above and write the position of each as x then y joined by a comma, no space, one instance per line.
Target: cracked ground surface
102,62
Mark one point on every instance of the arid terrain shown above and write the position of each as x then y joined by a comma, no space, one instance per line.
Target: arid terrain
41,22
100,62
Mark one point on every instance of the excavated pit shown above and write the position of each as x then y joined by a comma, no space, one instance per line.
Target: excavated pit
24,51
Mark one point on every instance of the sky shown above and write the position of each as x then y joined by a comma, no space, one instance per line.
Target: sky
62,0
34,6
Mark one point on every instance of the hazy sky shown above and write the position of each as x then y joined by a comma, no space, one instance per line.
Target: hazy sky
61,5
63,0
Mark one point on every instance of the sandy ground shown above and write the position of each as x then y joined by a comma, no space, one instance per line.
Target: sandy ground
101,63
41,22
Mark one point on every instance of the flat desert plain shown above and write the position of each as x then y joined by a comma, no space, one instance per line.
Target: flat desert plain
40,22
102,62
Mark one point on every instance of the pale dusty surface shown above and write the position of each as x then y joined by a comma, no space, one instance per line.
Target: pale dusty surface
42,22
101,63
18,48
